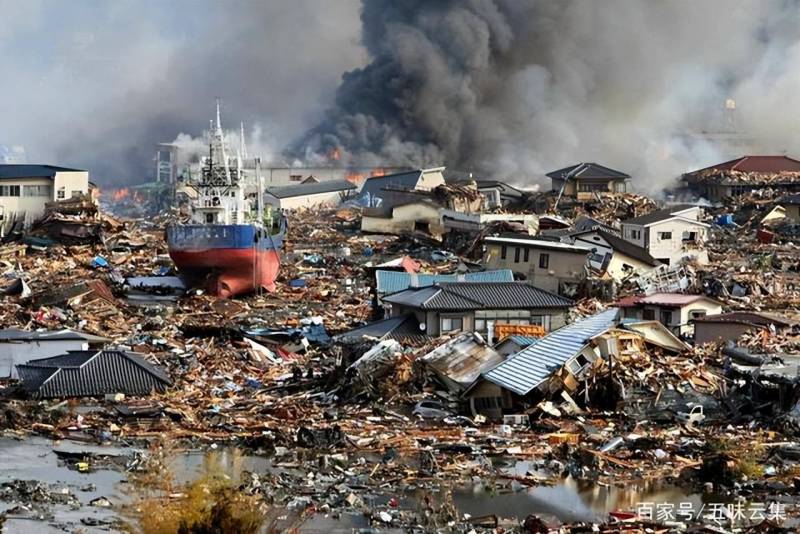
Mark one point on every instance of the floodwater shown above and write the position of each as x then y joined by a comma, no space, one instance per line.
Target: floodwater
33,459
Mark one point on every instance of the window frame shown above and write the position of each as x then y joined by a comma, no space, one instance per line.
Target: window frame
544,260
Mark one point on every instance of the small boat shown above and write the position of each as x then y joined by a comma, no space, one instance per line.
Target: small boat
227,243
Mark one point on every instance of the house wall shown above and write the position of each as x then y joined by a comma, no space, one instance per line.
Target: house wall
709,332
404,219
679,323
617,266
674,249
70,183
635,234
563,266
20,352
488,399
332,198
430,179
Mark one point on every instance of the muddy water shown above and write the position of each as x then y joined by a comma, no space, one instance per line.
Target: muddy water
33,459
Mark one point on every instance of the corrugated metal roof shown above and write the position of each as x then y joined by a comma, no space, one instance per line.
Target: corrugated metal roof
328,186
403,328
393,281
462,359
477,296
32,171
91,374
525,370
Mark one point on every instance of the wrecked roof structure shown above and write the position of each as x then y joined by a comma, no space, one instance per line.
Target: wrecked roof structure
392,281
91,374
619,245
15,334
311,188
742,175
402,328
478,295
459,362
524,371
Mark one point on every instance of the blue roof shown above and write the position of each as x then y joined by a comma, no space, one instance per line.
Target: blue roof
525,370
392,281
32,171
523,341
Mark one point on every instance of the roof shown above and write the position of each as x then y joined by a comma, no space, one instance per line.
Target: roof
588,171
790,199
673,300
525,370
747,317
403,328
756,164
91,374
461,360
522,341
393,281
624,247
32,171
660,215
311,188
400,180
477,296
15,334
539,243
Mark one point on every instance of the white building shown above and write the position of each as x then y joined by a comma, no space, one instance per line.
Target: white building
18,347
309,195
676,311
670,235
24,189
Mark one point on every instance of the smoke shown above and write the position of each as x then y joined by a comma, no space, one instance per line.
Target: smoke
508,89
95,84
516,88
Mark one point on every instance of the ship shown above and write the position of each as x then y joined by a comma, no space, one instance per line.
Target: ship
226,243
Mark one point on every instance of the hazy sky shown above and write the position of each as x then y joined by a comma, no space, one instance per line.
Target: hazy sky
508,88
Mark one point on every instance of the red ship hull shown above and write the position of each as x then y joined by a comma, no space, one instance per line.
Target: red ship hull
231,271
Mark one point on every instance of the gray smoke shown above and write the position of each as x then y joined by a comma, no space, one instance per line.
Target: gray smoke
509,89
516,88
96,84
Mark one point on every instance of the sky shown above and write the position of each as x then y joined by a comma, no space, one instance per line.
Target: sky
508,89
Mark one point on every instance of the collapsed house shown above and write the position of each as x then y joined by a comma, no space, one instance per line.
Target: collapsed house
745,174
20,346
676,311
613,256
731,326
92,374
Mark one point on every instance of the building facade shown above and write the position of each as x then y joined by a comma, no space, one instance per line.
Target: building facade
670,235
25,189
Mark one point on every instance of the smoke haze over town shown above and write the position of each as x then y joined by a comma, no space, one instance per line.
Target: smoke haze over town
507,88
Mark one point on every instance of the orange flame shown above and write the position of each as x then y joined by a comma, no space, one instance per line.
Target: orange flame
378,172
121,194
335,154
354,177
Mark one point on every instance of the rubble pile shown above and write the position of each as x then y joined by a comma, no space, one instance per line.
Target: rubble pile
359,427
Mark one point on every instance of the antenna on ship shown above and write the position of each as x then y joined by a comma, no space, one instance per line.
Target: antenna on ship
242,146
220,136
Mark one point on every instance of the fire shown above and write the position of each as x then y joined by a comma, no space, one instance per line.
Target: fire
95,192
354,177
335,154
121,194
378,172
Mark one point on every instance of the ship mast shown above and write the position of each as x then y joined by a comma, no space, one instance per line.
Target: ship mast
219,136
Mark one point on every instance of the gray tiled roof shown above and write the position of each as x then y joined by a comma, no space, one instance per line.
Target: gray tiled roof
587,171
477,296
300,190
525,370
625,247
91,374
401,180
657,216
392,281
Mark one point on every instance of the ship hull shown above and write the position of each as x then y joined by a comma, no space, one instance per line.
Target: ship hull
232,259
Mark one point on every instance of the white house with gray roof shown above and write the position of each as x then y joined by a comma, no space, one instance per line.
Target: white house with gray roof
670,235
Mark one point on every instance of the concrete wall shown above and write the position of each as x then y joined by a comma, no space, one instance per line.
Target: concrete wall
563,266
430,179
70,183
674,249
17,353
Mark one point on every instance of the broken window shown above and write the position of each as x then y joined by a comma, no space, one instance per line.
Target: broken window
62,193
666,317
648,315
689,237
544,261
696,314
449,324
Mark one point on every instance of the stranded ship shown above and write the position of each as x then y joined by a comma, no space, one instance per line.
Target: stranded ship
226,243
